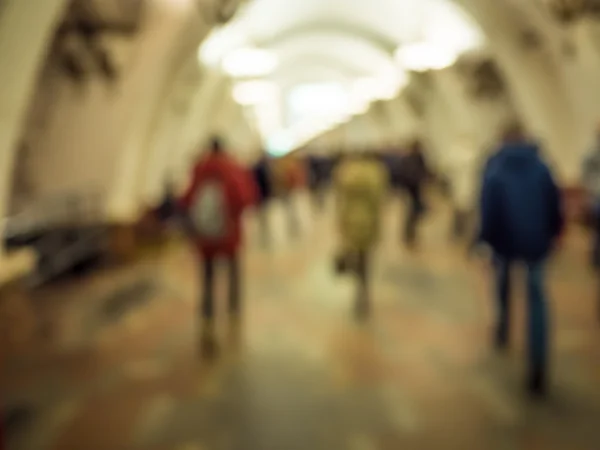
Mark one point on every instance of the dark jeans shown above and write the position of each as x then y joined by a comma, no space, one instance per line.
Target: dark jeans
415,211
209,273
537,312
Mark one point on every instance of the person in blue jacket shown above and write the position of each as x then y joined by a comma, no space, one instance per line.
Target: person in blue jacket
521,218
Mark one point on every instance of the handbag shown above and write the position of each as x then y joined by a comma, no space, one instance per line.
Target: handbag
345,263
341,264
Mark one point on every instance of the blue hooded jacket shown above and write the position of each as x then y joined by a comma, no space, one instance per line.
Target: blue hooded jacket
521,212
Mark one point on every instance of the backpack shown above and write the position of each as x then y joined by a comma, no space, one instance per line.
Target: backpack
209,211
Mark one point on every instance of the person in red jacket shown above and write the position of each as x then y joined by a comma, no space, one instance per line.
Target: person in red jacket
220,191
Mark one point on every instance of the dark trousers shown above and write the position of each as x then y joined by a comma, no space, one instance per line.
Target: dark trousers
415,211
209,273
537,310
358,265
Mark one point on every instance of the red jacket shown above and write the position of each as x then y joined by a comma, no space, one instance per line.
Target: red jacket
241,192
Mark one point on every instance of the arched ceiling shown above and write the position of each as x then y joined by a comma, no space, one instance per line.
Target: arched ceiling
340,41
364,54
337,27
317,62
382,25
385,21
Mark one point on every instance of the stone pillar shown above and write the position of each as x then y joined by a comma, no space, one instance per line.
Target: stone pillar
538,85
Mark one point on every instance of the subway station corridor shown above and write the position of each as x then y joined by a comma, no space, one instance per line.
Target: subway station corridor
120,365
117,117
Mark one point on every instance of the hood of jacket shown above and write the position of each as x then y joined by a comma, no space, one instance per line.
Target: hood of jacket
520,156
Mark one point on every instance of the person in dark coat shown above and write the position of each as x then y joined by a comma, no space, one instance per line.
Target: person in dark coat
317,180
521,219
262,175
414,172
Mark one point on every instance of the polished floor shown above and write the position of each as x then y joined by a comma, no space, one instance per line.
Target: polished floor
120,366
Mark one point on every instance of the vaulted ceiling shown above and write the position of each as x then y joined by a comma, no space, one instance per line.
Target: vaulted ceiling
340,41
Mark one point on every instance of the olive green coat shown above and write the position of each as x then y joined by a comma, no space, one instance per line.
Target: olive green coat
360,188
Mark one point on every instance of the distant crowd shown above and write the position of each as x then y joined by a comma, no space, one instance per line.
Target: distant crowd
510,205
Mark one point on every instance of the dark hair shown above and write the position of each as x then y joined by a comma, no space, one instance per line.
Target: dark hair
216,145
513,131
416,147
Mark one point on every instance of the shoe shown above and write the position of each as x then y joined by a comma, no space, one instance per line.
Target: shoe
208,340
501,340
536,384
501,344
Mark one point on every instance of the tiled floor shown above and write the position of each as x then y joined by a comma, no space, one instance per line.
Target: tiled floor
302,375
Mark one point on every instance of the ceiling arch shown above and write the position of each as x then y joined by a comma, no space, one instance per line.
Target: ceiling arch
363,32
315,60
319,76
309,59
351,51
276,23
351,43
402,20
314,70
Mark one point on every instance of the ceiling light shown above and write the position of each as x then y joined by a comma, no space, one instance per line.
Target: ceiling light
249,62
449,28
424,56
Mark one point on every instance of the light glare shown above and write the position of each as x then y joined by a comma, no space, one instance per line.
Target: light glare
424,56
249,62
218,44
316,100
